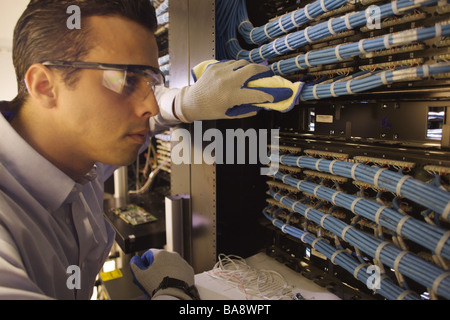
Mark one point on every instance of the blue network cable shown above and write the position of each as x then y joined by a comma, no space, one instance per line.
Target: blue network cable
406,186
406,263
360,271
431,237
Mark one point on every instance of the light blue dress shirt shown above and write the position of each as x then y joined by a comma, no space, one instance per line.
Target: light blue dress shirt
50,223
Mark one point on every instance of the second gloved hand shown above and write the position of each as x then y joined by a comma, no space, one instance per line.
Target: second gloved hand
234,89
162,273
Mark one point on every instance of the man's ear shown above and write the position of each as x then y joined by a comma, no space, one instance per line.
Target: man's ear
41,85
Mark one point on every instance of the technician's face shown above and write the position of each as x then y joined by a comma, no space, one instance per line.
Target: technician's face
103,125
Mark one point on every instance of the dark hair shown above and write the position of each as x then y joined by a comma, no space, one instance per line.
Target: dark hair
41,34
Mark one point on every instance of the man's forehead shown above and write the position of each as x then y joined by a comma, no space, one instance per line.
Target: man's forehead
123,41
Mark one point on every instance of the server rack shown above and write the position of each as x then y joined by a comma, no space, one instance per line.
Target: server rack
391,125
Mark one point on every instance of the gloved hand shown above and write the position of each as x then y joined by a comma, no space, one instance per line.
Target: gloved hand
234,89
159,272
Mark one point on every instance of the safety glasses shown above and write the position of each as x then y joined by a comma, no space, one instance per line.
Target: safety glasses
130,81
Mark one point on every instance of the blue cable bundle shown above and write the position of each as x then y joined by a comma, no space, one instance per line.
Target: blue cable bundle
346,51
162,8
298,39
405,262
285,23
342,258
431,237
421,193
370,80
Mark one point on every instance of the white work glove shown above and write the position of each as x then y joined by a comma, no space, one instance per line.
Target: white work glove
234,89
159,272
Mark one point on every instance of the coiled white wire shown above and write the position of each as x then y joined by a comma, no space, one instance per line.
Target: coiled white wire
254,283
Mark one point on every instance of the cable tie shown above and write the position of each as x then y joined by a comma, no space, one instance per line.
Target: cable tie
294,204
398,258
240,24
251,36
303,235
330,167
361,46
348,87
332,89
313,244
442,242
359,267
282,199
378,214
322,5
298,163
383,78
280,24
306,59
274,221
333,256
377,282
307,211
266,32
347,21
330,26
260,53
322,220
299,183
250,56
333,198
229,40
395,7
438,281
306,35
305,11
438,28
379,248
404,294
272,66
353,170
400,184
298,63
336,52
377,175
401,223
293,20
317,164
354,202
426,71
446,211
344,231
315,92
284,176
284,226
386,43
238,54
279,68
286,42
315,190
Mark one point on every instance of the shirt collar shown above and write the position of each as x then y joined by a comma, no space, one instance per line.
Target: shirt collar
45,182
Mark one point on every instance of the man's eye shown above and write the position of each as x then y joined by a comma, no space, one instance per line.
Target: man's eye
131,85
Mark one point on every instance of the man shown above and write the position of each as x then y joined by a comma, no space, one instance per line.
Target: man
87,103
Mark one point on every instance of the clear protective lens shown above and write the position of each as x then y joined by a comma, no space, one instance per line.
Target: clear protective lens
114,80
136,85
